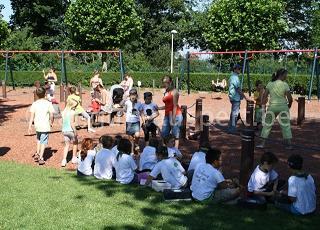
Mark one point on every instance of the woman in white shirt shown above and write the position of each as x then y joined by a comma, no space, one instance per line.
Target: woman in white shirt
86,157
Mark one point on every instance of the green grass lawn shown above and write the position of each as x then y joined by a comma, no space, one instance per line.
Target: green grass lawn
37,198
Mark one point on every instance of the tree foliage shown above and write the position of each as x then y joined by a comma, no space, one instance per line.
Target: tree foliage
103,24
242,24
4,30
315,32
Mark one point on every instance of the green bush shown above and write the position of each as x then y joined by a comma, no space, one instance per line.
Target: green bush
198,81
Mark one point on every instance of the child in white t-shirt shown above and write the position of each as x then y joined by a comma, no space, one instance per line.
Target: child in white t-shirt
104,160
86,157
150,112
170,168
209,185
198,157
301,196
169,141
148,157
263,182
114,149
42,116
124,164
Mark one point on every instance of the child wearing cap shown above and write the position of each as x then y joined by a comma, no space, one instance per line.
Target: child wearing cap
150,112
301,196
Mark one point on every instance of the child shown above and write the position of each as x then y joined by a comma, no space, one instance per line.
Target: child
42,117
258,94
104,160
79,110
114,149
169,141
208,184
86,157
148,157
69,131
150,112
301,196
170,168
198,157
263,182
124,164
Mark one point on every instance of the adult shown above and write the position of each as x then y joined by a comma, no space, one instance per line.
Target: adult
235,96
173,116
279,105
127,84
101,97
51,79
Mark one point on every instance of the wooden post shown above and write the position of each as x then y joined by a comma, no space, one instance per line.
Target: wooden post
205,125
247,155
4,89
198,114
62,99
80,92
249,113
184,122
301,110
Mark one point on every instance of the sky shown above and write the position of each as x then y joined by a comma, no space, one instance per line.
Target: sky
7,11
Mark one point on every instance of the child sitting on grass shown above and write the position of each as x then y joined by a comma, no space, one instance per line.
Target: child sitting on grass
169,141
148,157
258,94
301,196
114,149
125,165
86,157
104,160
209,185
42,116
170,168
263,182
198,157
69,131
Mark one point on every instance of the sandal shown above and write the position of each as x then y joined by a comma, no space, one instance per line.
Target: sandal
36,157
41,162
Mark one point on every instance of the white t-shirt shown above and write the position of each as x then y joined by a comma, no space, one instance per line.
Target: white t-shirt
42,109
152,106
148,158
104,161
131,116
174,152
125,167
204,181
171,171
115,150
197,158
84,166
304,190
259,179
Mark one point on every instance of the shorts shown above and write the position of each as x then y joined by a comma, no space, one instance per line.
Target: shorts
175,129
43,137
85,115
132,128
69,137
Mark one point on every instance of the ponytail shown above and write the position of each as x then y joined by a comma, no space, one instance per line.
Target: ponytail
278,74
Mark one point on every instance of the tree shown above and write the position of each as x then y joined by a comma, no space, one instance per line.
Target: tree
242,24
4,30
315,31
103,24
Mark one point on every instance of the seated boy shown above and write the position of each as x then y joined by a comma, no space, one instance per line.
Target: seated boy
198,157
170,168
263,182
169,141
208,184
148,157
301,196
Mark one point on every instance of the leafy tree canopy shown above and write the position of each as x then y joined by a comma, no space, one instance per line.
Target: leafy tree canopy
4,30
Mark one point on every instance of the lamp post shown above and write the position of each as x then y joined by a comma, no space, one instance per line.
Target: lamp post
172,33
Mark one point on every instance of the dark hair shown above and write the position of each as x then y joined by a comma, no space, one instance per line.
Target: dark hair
268,157
117,138
162,151
212,155
295,161
53,69
124,147
168,138
258,82
86,144
106,141
168,78
278,74
154,142
41,92
147,94
72,89
204,146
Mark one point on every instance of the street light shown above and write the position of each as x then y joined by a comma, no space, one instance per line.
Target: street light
172,33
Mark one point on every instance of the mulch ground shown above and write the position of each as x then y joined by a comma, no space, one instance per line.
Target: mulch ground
17,145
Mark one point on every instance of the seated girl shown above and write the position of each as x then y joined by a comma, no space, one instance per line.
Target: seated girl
86,157
148,157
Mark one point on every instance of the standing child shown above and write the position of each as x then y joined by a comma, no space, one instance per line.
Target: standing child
86,157
150,112
258,95
104,160
42,116
173,151
301,196
69,131
124,164
148,157
79,110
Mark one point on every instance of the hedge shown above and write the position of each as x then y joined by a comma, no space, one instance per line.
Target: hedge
199,81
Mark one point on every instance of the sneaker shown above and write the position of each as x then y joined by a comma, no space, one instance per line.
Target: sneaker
91,130
74,160
63,163
41,162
